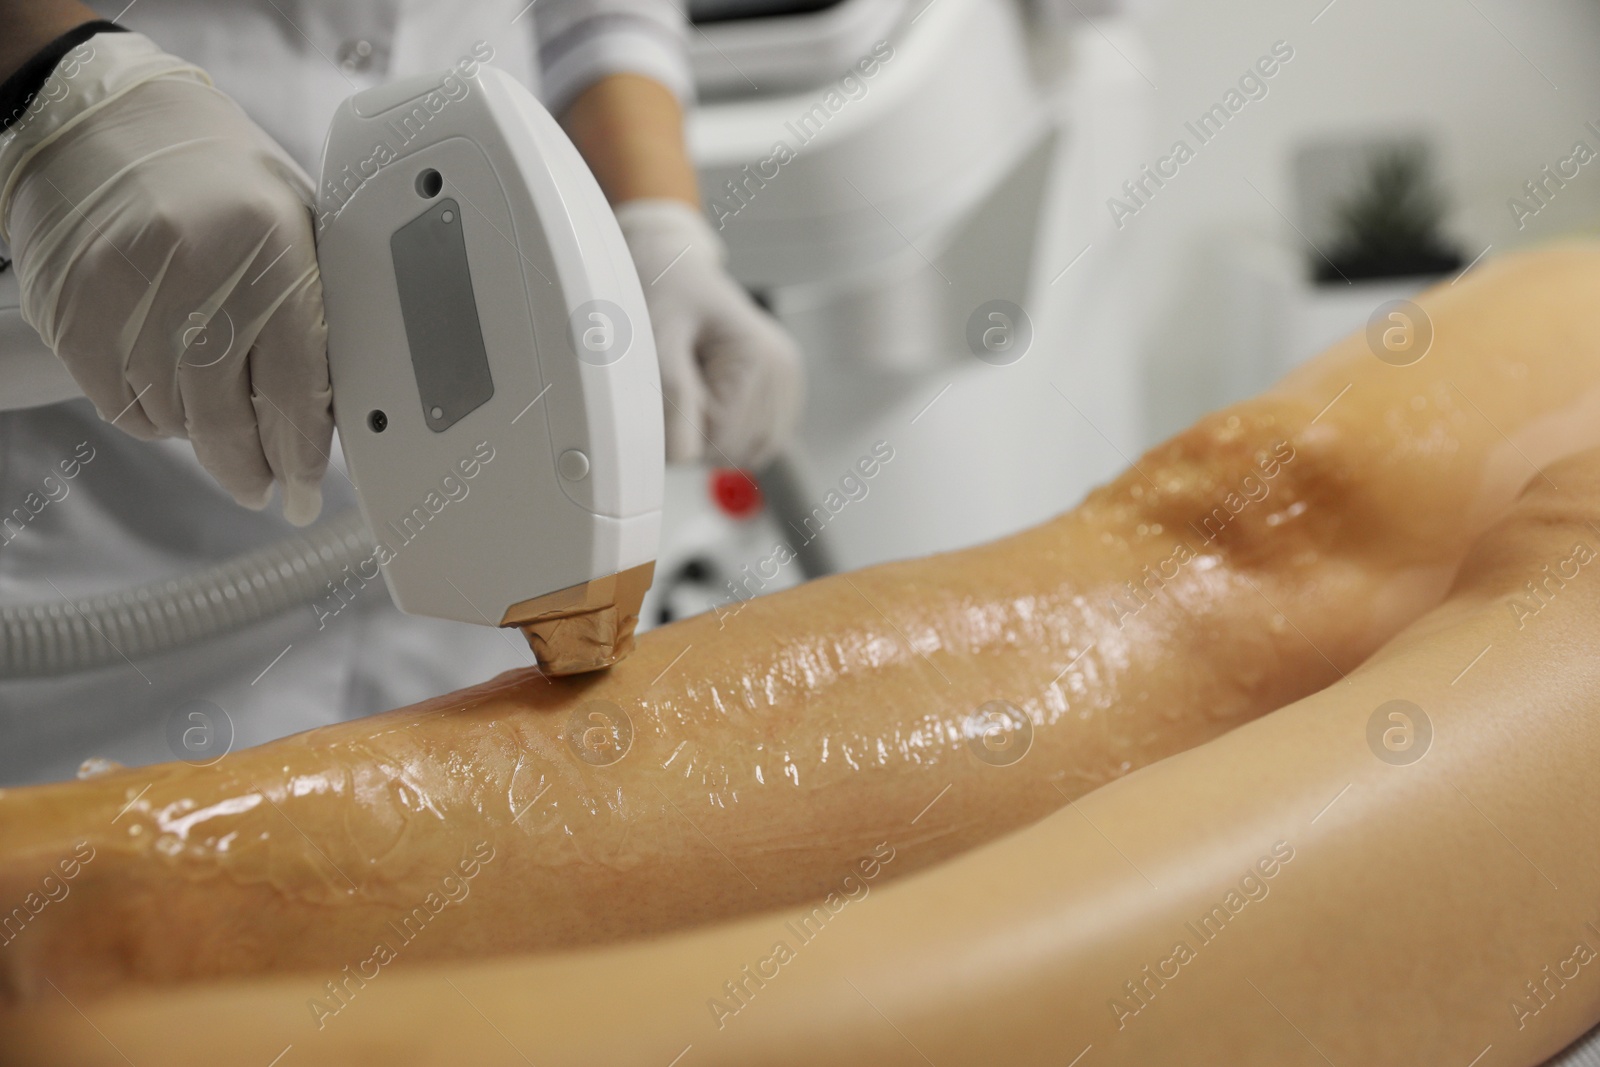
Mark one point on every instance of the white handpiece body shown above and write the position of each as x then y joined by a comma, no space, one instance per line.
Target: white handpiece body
484,317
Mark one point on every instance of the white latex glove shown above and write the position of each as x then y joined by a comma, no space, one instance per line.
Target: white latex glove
164,249
731,376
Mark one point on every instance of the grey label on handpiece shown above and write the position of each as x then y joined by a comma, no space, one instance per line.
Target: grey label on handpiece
441,316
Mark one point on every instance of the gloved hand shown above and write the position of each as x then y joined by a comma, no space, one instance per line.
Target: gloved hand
731,376
164,249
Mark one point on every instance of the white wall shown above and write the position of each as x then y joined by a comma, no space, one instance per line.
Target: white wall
1443,65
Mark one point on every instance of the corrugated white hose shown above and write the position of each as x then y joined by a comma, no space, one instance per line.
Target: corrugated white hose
63,636
1584,1052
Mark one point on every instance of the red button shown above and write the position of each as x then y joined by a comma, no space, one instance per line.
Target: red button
735,492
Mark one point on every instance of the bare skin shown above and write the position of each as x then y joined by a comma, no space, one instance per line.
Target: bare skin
773,749
1335,906
629,129
28,25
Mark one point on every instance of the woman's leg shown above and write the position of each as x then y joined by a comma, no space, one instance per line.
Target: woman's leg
1242,564
1398,870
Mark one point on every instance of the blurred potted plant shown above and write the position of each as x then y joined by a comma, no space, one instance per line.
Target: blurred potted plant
1370,224
1391,225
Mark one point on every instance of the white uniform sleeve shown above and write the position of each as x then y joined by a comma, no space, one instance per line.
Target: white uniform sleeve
582,41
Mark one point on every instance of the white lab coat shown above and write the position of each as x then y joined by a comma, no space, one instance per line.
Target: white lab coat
140,511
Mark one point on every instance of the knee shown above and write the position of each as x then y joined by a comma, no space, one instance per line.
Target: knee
1257,485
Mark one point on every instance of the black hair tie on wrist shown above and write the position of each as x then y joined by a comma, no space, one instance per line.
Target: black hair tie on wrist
18,91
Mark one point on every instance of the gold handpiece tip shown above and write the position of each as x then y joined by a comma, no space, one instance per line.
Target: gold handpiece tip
585,627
